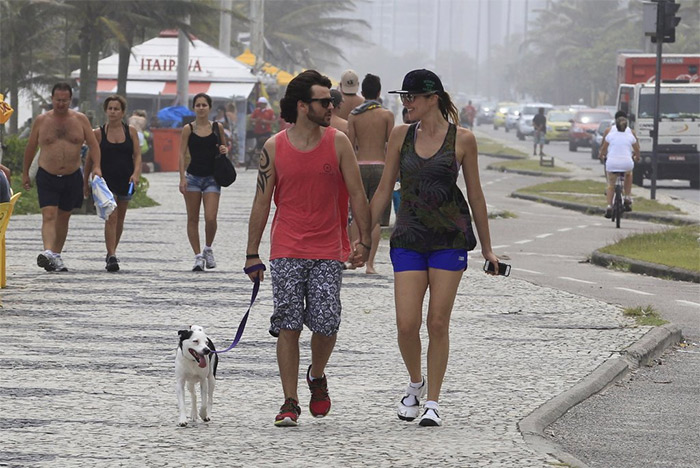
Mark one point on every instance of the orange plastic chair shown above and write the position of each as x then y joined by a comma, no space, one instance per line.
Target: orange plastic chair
5,213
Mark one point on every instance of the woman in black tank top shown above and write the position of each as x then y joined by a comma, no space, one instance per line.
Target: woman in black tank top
203,140
433,231
121,168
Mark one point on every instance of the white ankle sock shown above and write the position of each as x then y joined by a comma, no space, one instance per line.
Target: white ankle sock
416,384
432,405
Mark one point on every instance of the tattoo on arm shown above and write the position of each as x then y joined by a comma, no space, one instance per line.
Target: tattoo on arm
263,171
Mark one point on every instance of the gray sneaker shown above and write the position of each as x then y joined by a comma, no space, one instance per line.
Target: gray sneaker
112,263
45,260
199,263
208,255
58,262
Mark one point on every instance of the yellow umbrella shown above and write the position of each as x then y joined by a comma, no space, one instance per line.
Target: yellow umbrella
283,77
5,110
247,57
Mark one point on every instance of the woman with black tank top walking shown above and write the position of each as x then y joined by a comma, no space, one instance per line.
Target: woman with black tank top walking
432,233
121,169
203,140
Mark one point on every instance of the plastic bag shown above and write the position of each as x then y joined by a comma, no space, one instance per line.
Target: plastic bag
104,200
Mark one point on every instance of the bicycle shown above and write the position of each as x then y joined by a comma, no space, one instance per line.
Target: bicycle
618,206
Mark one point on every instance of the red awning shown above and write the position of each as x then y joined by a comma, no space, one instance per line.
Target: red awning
169,88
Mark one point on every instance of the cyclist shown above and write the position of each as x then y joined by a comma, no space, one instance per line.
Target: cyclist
619,151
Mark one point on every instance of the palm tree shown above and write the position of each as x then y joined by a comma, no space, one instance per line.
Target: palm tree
306,33
120,20
27,48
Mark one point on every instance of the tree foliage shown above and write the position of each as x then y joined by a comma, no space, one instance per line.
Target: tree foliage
304,33
571,49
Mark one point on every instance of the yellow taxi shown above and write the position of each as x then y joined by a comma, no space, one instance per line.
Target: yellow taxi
558,125
499,117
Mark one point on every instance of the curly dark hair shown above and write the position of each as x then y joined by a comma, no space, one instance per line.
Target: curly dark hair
299,89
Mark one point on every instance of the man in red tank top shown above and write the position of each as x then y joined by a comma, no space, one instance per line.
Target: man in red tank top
311,171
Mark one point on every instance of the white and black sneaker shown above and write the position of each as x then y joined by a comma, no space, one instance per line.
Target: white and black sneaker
199,263
409,406
208,255
112,263
430,418
45,260
58,263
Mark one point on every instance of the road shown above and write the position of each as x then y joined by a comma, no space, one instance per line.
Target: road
582,158
550,246
651,418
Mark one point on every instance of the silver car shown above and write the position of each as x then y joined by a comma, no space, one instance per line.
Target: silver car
524,127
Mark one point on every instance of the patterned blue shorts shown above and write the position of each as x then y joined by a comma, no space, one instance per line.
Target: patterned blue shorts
306,292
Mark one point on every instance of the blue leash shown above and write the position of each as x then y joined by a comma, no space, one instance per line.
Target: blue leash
241,326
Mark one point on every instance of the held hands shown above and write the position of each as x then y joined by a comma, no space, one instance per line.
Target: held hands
359,255
223,149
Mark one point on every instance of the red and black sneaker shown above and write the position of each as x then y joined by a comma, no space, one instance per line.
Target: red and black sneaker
320,403
289,412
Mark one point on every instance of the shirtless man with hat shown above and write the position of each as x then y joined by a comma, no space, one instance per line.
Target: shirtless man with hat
349,85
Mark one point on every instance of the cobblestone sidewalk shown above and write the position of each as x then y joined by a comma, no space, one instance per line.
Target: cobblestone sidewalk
88,358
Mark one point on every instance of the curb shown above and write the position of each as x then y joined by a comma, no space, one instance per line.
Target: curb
588,209
645,268
530,173
649,347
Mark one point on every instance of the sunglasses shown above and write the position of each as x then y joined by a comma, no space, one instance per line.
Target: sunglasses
412,97
325,102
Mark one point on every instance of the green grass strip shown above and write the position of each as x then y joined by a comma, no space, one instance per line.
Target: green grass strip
590,192
489,146
532,165
676,247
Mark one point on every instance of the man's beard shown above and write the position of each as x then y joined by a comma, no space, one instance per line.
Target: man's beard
318,119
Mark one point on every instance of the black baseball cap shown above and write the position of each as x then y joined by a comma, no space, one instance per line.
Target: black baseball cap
420,82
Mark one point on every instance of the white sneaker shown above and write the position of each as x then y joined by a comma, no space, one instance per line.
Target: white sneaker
45,260
58,262
208,255
199,263
430,418
411,412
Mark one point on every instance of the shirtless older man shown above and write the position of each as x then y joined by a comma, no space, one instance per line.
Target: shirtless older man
60,133
369,126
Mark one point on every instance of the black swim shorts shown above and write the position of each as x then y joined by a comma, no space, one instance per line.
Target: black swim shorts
64,191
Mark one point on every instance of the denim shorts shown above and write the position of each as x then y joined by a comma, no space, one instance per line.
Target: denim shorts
204,184
410,260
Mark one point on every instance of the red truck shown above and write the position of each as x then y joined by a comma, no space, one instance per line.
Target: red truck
641,68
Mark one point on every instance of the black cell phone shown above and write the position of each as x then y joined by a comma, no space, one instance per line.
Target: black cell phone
503,268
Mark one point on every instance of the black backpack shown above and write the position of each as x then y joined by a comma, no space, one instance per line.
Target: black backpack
224,171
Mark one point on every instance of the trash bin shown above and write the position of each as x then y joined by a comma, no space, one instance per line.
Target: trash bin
166,148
